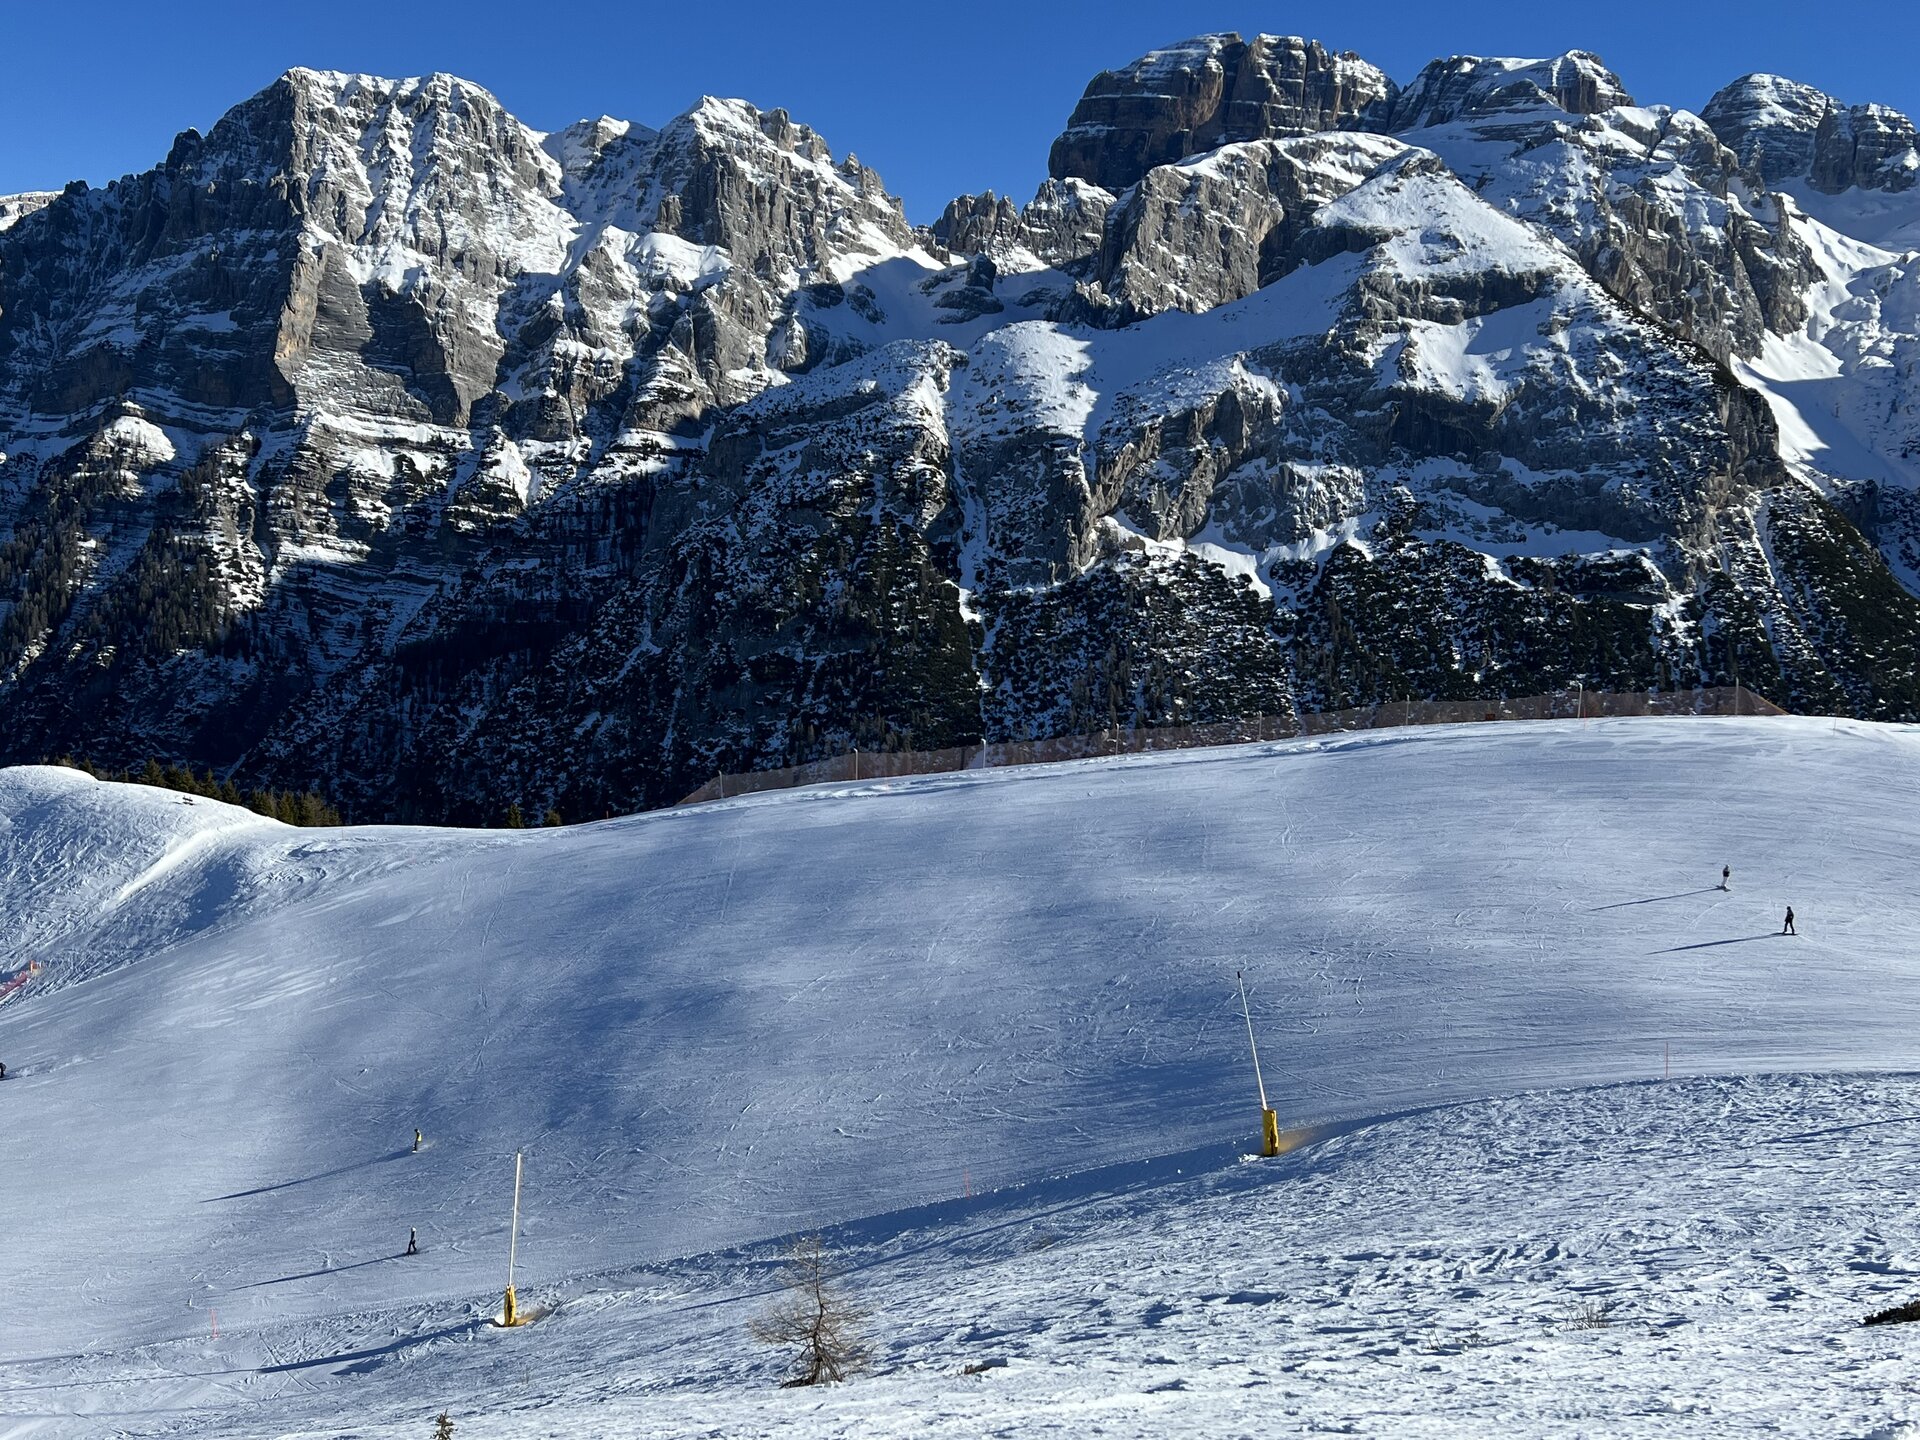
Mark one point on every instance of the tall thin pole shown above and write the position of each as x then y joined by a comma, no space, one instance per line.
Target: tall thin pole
513,1235
1269,1122
1248,1016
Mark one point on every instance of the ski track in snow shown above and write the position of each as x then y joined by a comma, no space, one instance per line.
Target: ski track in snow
844,1006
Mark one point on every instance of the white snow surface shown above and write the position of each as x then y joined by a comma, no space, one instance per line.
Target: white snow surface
1845,389
1470,952
1888,219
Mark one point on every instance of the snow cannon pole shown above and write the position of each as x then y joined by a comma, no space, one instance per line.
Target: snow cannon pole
510,1312
1269,1122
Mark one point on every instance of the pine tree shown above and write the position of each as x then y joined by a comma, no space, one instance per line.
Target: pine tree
515,820
443,1426
315,811
552,820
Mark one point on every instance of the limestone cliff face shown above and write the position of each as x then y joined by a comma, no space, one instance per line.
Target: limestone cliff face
375,441
1468,86
18,207
1193,236
1061,227
1783,130
1211,91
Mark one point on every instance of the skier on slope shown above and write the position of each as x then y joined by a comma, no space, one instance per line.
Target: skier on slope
3,1072
1726,877
413,1241
1787,928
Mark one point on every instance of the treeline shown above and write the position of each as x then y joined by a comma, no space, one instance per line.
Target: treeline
290,807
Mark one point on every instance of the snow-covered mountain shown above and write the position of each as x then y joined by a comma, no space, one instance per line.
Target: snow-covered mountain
984,1027
378,443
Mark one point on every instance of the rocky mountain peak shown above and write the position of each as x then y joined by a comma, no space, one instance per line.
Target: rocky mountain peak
15,208
1060,227
582,146
714,119
1209,91
1468,85
767,189
376,441
604,166
1784,130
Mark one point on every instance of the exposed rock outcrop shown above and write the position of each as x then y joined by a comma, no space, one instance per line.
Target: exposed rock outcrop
1060,227
376,442
1193,236
1210,91
1783,130
15,208
1466,86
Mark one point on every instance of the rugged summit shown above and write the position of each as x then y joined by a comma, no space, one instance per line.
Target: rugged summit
1470,85
376,442
1210,91
17,207
1783,130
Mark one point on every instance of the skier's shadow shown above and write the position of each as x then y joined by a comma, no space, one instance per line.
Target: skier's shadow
309,1179
327,1270
1656,899
360,1362
1709,944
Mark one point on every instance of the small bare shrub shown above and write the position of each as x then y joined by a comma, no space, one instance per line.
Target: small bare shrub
1591,1315
813,1319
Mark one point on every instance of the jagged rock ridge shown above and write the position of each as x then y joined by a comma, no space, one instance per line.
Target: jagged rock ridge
1211,91
376,442
1783,130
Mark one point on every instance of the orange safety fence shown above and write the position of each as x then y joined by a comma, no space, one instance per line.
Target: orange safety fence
14,982
1561,705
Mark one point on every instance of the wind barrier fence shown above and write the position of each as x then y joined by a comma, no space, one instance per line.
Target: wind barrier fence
1560,705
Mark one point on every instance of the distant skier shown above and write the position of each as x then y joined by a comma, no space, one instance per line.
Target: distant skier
1726,877
416,1142
3,1072
1787,929
413,1242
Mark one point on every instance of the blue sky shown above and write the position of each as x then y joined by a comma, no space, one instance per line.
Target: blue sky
940,99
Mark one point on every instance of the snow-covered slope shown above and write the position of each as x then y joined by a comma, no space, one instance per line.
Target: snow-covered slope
713,1026
1845,388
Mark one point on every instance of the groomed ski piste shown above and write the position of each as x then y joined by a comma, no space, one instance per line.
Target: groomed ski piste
980,1030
